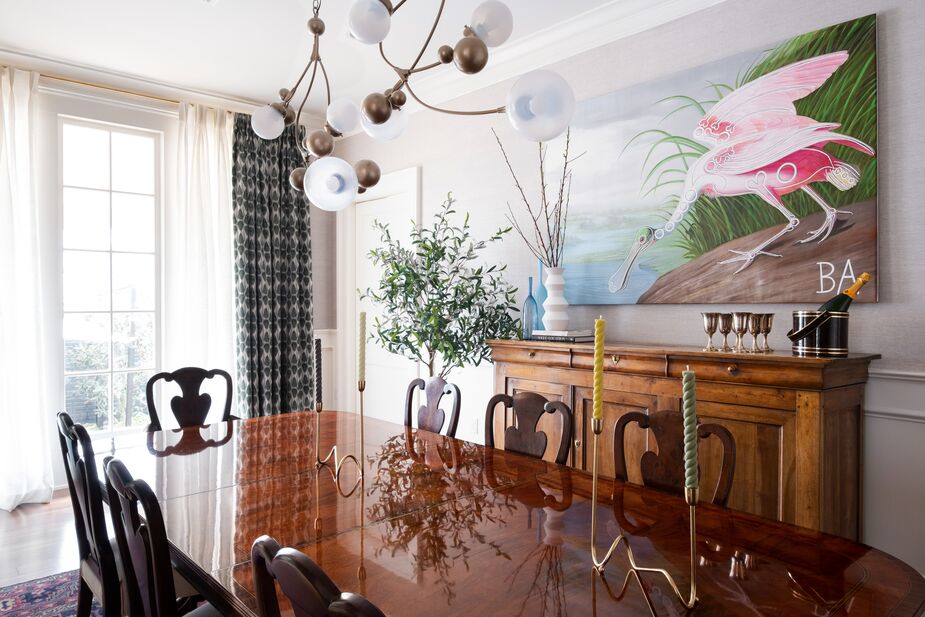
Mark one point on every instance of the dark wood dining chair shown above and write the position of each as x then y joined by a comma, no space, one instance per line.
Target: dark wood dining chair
192,407
665,470
147,571
99,574
523,436
310,591
430,416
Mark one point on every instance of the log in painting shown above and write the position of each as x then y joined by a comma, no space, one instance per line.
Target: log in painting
751,179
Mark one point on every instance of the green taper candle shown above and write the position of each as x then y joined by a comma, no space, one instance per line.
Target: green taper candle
689,389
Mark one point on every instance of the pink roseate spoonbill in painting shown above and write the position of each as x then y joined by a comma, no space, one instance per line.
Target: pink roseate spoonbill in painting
761,146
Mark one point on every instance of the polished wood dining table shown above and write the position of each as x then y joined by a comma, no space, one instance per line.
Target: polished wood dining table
441,526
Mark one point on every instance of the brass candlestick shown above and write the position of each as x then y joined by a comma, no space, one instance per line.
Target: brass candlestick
691,496
361,387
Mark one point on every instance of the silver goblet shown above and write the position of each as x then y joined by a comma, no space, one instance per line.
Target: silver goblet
710,321
725,327
767,320
740,327
754,328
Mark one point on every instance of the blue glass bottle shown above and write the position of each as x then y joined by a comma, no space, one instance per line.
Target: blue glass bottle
541,295
528,314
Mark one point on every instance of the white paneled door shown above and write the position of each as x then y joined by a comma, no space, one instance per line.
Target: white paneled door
393,202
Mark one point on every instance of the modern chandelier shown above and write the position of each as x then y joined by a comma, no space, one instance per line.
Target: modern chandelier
539,105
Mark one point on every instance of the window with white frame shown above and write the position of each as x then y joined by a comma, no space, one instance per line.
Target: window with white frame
110,195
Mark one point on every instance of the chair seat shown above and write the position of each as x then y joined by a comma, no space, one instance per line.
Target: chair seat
90,575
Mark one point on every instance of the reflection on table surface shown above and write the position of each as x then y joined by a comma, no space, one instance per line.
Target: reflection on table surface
443,526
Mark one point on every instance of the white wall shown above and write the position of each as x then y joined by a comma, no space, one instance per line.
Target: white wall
459,155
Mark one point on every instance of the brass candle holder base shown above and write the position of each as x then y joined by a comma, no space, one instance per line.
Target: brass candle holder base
691,496
332,461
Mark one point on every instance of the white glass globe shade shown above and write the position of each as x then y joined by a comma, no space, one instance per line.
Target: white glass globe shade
492,22
343,115
369,21
540,105
331,183
268,123
388,130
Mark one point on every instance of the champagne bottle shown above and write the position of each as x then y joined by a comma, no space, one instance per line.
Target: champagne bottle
842,301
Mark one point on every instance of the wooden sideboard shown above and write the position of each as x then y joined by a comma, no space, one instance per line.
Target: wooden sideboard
797,422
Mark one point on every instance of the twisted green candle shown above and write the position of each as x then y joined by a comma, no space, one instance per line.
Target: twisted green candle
689,389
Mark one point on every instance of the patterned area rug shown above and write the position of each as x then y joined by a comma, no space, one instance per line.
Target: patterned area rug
52,596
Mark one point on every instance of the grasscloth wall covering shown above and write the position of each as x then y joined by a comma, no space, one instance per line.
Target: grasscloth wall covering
273,277
459,154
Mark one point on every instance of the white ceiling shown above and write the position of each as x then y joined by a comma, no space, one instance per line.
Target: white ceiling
243,49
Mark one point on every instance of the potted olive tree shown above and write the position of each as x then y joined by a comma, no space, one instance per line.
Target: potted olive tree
439,301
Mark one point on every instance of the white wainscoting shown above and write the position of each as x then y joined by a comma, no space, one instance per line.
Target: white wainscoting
894,465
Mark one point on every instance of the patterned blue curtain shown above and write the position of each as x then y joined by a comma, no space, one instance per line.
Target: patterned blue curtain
273,276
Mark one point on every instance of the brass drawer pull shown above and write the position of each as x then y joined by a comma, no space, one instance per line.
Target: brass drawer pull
732,369
577,443
532,354
615,358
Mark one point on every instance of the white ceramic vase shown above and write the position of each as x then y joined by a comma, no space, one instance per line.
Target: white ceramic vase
555,307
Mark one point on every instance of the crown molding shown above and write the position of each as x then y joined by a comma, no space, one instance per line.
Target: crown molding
605,24
86,78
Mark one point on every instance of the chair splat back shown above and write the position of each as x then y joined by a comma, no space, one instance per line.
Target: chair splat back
87,501
192,407
310,591
142,537
665,470
430,416
523,436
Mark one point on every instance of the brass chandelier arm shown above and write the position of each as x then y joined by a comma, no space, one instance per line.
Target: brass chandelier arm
405,73
385,59
327,83
315,56
455,112
425,67
298,83
298,116
430,36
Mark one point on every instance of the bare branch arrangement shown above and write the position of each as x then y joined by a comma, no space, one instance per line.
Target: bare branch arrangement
548,217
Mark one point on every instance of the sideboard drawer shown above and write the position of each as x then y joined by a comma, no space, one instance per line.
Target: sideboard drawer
746,370
637,364
532,355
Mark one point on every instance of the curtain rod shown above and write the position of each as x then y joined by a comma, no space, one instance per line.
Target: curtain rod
91,84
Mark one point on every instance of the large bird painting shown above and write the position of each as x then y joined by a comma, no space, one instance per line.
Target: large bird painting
771,156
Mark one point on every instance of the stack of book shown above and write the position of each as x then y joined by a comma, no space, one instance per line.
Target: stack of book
563,336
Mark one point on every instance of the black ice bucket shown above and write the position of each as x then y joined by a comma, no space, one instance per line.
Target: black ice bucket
820,334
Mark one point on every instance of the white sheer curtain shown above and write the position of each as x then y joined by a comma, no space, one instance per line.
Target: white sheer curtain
198,288
25,457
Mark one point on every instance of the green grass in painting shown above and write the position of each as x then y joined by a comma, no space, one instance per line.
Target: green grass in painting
849,97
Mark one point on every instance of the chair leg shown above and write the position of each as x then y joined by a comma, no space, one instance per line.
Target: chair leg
112,603
84,599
